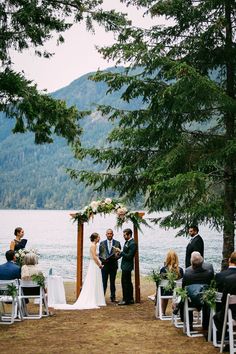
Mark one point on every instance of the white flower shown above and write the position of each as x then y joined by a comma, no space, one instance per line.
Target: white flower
108,200
94,205
121,211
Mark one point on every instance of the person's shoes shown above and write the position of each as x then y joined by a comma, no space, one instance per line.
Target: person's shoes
176,310
205,334
131,302
113,299
122,303
152,297
226,348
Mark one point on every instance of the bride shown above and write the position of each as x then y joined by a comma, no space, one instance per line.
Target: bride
92,294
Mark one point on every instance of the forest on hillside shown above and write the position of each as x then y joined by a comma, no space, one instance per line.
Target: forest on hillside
34,176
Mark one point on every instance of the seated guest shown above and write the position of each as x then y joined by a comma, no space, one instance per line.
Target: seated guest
30,266
231,270
9,270
208,266
19,242
171,265
194,279
226,281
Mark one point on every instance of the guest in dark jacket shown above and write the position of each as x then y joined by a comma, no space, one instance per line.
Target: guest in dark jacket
195,244
194,279
10,270
226,281
231,270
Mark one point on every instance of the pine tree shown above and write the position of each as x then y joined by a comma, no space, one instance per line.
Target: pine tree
29,24
178,149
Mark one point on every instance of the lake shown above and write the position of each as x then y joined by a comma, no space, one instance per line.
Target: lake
54,235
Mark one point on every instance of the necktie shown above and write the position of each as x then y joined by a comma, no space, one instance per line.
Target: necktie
109,246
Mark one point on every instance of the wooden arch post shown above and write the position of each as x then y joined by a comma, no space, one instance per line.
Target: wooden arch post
136,268
136,264
80,244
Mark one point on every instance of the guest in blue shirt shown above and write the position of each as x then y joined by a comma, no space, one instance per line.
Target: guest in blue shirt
10,270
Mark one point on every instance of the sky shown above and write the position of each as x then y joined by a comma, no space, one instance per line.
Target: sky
74,58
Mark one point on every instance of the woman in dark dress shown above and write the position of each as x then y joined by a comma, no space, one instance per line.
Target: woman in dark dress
171,265
19,242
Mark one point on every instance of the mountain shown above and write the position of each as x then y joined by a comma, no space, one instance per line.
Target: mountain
34,176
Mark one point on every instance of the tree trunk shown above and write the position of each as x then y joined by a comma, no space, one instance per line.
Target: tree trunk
229,187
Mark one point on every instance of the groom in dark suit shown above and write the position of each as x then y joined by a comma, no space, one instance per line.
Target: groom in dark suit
195,244
127,265
110,262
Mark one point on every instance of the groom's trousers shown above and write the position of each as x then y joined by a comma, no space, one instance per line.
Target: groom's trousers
127,286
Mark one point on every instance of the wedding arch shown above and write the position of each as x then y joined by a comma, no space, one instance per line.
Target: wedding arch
107,206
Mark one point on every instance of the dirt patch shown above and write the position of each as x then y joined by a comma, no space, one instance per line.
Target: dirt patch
112,329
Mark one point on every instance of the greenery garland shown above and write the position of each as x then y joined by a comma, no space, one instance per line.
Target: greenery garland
170,276
182,293
209,295
108,206
11,290
39,279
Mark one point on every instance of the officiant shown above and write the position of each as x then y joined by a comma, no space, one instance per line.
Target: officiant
109,260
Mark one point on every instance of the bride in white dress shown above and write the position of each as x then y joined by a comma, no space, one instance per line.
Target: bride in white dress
92,294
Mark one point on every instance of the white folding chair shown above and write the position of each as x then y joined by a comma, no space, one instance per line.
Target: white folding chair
158,308
31,290
212,331
197,319
6,301
176,320
231,323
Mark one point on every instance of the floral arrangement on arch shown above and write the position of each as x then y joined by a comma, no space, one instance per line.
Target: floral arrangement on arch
108,206
20,255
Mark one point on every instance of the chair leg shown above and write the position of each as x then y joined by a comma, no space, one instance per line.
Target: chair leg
45,303
231,333
210,328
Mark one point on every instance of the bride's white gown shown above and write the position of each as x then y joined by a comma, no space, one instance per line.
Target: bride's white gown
91,295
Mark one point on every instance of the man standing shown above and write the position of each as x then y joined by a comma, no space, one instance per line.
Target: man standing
10,270
110,262
127,265
195,244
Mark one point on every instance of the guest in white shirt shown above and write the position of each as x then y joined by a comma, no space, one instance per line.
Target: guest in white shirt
30,266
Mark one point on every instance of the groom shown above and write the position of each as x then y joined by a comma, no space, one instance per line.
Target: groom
110,262
127,265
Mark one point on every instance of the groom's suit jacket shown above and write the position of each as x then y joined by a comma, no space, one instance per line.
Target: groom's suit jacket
195,244
128,253
104,253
